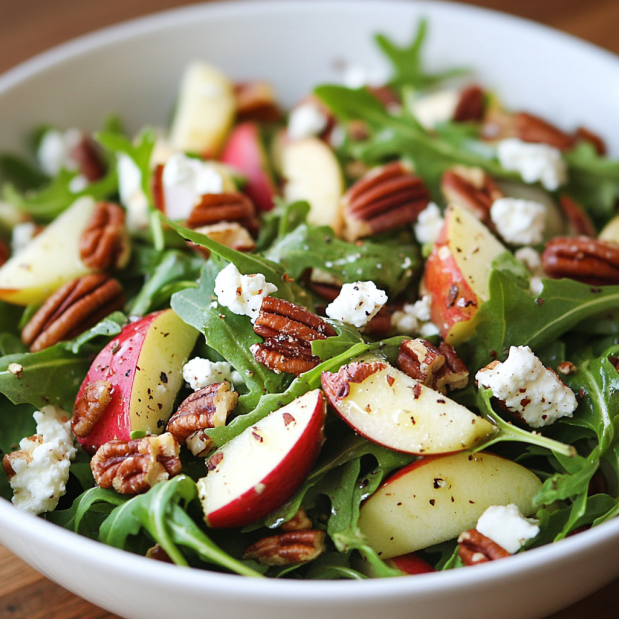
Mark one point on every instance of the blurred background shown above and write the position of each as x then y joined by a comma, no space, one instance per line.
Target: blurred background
28,27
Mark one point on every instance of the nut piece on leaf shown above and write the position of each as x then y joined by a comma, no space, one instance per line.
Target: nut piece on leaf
132,467
387,197
88,158
77,306
530,128
206,408
299,522
230,234
287,548
288,330
214,208
475,548
90,406
471,106
105,242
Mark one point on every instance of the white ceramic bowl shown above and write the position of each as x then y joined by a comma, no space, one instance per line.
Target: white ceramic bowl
134,69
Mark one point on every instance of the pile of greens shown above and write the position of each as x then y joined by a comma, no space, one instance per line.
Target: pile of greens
568,321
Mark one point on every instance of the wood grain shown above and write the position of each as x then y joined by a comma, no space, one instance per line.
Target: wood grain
28,27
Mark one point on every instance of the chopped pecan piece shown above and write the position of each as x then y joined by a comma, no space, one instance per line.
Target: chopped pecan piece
580,222
472,189
206,408
286,548
438,368
90,407
256,101
530,128
230,234
288,330
132,467
87,156
475,548
10,458
581,258
471,106
380,325
4,252
299,522
214,208
386,198
105,242
73,308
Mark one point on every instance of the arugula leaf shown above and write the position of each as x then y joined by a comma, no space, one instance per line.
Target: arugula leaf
20,173
407,61
280,221
391,267
16,422
347,336
511,317
332,566
159,512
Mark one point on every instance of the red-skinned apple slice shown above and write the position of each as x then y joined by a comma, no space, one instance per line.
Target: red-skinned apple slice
144,366
392,409
436,498
259,470
457,273
411,564
245,151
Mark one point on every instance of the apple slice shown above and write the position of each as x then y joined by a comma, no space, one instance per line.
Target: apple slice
411,564
259,470
392,409
205,111
50,260
436,498
144,366
312,172
245,151
457,273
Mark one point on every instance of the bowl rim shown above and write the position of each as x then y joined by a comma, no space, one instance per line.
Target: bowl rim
26,525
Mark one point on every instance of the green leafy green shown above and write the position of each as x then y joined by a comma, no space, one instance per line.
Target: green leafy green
16,422
391,267
20,173
280,221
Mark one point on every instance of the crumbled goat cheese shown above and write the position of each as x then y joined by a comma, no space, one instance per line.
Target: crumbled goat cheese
507,527
78,183
528,388
357,303
534,162
429,224
200,373
414,318
242,294
519,222
305,121
531,259
55,151
438,107
42,473
21,236
184,180
324,277
131,194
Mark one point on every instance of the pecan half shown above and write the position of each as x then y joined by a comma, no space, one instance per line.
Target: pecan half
4,252
584,135
256,101
387,197
105,242
581,258
288,330
530,128
230,234
472,189
73,308
299,522
286,548
206,408
580,223
471,106
88,158
90,406
132,467
475,548
10,458
214,208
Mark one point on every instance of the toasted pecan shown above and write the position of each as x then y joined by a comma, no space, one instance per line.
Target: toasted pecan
90,406
530,128
256,101
105,241
475,548
287,548
471,106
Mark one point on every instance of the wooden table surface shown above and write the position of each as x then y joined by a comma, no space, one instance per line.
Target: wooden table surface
28,27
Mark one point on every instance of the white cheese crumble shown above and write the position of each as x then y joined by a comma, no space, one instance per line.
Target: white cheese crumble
435,108
357,303
414,319
306,120
531,259
242,294
21,236
534,162
528,388
429,224
55,150
200,373
519,222
78,183
131,194
507,527
41,473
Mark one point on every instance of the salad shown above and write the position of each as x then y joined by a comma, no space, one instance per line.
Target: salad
375,336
